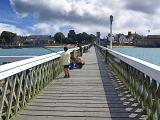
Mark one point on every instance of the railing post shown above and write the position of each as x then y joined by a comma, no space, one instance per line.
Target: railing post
106,56
158,102
1,115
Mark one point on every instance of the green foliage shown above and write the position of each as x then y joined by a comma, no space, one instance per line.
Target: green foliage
70,41
7,37
59,37
84,38
72,36
2,40
92,38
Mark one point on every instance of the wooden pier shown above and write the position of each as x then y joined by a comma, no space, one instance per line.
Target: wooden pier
91,93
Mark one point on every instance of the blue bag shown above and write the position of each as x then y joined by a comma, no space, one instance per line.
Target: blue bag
71,66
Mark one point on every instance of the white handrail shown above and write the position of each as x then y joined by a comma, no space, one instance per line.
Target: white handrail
9,59
18,66
147,68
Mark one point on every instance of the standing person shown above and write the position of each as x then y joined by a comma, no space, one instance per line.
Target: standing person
66,61
80,48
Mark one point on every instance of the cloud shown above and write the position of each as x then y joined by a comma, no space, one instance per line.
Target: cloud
145,6
90,15
39,7
44,28
12,28
64,10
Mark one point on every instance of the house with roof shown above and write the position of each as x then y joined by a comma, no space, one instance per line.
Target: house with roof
39,40
124,39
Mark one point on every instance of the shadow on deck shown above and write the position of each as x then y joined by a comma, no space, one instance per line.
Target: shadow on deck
121,104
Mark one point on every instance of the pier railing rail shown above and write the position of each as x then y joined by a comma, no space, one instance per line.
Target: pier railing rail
22,80
141,78
9,59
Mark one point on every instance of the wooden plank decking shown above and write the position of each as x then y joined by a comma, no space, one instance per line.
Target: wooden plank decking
91,93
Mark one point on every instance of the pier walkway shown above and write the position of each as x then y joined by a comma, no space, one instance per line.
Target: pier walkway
91,93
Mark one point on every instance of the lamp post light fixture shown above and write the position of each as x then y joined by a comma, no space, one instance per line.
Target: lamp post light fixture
149,32
111,20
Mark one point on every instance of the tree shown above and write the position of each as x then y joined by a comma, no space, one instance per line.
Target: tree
8,37
2,40
72,36
84,38
92,38
79,38
70,41
59,37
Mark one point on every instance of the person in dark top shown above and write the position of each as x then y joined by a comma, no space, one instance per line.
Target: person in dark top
80,48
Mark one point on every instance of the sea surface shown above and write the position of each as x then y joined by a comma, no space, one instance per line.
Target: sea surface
151,55
28,51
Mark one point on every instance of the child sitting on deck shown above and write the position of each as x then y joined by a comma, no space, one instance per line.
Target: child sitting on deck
79,62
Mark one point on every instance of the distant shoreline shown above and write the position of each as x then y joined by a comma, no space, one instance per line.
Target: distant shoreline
61,46
48,46
121,46
126,46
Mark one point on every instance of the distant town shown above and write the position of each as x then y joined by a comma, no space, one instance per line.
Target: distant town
9,39
131,39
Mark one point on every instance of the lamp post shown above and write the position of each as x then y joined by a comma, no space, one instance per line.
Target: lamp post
111,20
148,32
98,37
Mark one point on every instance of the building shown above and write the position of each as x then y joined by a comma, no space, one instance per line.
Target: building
148,41
39,40
19,40
125,39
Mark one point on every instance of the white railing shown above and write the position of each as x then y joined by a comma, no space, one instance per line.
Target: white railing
140,77
152,70
9,59
18,66
22,80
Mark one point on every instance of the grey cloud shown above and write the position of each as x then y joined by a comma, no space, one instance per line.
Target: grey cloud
44,14
124,12
145,6
72,17
21,7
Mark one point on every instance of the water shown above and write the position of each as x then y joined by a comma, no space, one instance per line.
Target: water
27,51
151,55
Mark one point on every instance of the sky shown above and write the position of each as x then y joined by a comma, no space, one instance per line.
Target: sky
46,17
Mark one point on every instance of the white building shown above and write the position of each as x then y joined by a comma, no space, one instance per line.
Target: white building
125,39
